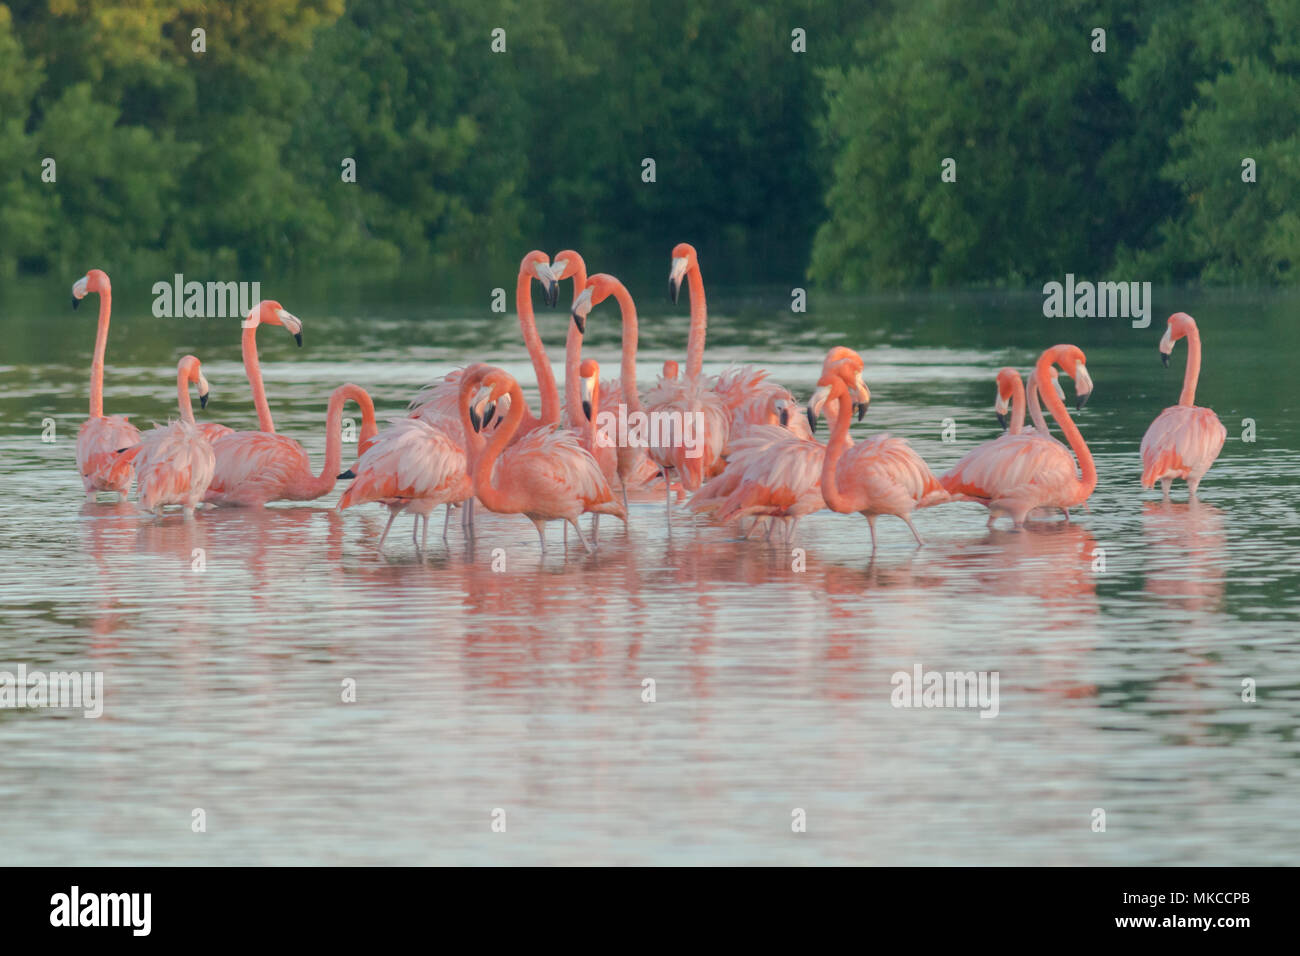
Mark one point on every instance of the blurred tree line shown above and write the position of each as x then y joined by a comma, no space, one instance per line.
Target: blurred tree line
231,159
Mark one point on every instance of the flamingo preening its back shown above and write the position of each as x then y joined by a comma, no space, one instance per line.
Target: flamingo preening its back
174,463
1185,439
102,437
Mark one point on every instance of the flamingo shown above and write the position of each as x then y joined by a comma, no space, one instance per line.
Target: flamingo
1014,474
174,463
882,475
1013,458
254,467
690,394
547,475
775,466
416,465
102,437
1185,439
630,461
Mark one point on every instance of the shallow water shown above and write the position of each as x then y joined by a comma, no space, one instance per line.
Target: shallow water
1121,639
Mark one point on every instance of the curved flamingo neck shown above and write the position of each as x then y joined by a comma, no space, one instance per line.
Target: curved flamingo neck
835,447
1193,373
183,395
1017,407
493,498
253,370
1042,374
573,356
699,322
333,431
631,397
101,347
536,351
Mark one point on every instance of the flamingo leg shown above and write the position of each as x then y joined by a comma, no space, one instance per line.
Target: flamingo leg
668,501
577,530
595,525
424,538
1166,484
622,485
1066,512
392,516
541,532
771,526
871,523
445,521
916,534
1192,485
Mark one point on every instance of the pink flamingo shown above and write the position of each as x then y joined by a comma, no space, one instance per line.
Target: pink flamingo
174,463
537,265
673,399
254,467
629,459
882,475
1014,474
416,465
774,468
547,475
102,437
1185,439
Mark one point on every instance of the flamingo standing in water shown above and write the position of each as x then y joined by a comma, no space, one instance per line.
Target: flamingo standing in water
691,394
102,437
880,476
254,467
1015,474
546,475
998,467
174,463
416,465
1185,439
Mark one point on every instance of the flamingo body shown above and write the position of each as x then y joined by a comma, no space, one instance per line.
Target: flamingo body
174,466
99,443
1183,442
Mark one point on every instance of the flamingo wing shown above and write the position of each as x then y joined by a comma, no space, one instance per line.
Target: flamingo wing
1011,466
894,478
409,460
556,473
1183,441
174,466
255,467
98,443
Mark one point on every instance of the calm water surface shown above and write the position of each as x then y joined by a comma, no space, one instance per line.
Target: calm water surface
1121,639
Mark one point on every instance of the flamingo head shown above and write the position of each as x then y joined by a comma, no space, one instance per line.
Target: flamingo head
589,371
537,265
1007,378
1178,326
670,369
96,280
569,265
498,383
684,261
843,367
782,409
273,313
1071,360
598,289
189,367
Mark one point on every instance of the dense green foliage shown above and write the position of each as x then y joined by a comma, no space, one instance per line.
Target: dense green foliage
1067,160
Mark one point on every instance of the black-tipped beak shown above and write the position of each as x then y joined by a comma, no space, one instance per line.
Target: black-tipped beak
1081,400
344,476
812,421
1164,359
861,409
475,420
552,293
674,287
297,337
581,322
203,400
488,412
586,409
1002,421
784,418
75,302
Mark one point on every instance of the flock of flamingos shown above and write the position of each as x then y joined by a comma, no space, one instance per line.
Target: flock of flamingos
472,437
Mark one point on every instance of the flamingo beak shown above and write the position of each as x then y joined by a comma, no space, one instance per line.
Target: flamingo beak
581,309
1166,346
79,290
75,302
675,278
203,391
292,323
586,408
345,475
784,417
1082,387
1000,408
203,399
475,420
550,285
